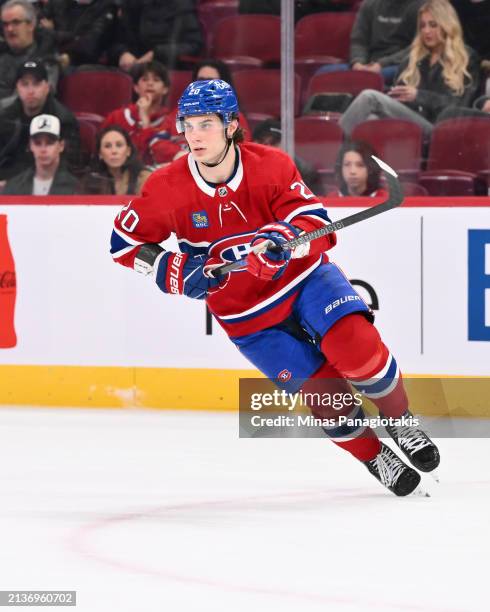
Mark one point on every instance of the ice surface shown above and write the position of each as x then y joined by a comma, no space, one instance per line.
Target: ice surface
146,511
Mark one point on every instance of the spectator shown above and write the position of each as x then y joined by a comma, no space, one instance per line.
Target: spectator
381,36
34,98
83,29
148,121
356,171
216,69
439,72
22,42
268,132
46,176
154,30
116,167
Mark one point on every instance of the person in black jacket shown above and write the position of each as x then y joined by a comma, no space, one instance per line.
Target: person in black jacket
34,98
83,29
440,72
155,30
46,176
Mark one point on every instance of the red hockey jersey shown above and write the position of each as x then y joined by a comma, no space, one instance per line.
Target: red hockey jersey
220,221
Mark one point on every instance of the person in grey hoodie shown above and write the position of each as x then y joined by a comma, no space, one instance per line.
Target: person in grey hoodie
381,37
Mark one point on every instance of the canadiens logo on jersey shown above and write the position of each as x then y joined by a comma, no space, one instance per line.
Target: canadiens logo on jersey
200,219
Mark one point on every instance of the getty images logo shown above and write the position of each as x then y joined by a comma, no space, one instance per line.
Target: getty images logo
340,301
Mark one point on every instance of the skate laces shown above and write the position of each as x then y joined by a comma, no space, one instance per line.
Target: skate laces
388,466
411,438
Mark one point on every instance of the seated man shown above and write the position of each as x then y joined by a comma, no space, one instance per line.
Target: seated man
46,176
148,121
22,41
34,98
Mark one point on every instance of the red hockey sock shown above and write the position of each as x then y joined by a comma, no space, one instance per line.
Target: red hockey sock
354,347
365,445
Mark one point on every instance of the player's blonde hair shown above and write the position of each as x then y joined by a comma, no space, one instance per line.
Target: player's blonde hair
454,57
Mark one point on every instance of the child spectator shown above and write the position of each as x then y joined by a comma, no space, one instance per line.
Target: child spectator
46,176
148,121
116,167
439,72
356,172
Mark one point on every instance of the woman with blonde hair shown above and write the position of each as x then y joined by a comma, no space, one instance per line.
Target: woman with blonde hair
439,72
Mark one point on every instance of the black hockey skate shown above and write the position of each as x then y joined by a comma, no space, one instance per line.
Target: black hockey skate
390,470
416,445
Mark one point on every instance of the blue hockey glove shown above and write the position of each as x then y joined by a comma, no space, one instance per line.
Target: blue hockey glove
269,264
179,273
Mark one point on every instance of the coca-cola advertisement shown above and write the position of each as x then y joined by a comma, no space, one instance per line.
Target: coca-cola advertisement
8,289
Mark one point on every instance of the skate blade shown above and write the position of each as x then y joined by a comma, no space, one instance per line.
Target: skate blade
419,492
435,476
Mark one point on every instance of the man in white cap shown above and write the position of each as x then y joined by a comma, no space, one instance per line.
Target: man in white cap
46,176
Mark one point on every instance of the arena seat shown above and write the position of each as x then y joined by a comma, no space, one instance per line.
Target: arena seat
459,150
179,79
345,81
319,39
460,144
96,91
210,13
317,141
248,41
259,91
396,141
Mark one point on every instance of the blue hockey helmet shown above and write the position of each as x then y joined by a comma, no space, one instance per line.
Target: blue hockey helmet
205,98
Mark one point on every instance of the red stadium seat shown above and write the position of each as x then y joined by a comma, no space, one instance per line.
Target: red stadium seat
459,150
317,141
319,39
460,144
452,183
96,91
411,190
346,81
396,141
259,92
210,13
179,79
88,134
248,40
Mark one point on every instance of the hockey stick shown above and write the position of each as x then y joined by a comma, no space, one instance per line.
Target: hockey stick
395,198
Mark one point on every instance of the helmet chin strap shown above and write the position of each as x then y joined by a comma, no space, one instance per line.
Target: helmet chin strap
224,153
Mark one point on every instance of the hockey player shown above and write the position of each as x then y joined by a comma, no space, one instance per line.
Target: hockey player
293,314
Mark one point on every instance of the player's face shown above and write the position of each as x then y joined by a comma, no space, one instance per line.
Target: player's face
32,93
430,31
152,86
114,150
354,173
46,150
205,136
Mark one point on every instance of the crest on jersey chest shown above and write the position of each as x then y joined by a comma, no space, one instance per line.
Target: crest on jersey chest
222,192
